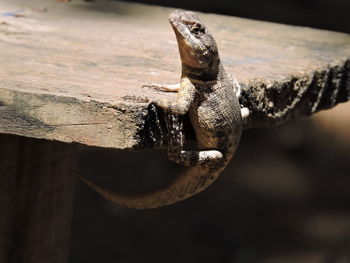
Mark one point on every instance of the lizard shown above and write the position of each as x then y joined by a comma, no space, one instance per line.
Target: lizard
211,98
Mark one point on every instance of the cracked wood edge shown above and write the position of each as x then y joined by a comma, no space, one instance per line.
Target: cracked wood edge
297,96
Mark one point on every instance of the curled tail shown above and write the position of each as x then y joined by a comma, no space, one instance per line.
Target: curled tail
194,180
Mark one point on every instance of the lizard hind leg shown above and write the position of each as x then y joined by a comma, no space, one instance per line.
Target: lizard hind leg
210,159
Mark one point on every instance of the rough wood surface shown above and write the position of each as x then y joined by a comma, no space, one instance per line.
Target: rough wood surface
36,197
66,67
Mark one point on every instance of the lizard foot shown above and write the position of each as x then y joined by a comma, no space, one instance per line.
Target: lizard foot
244,113
209,159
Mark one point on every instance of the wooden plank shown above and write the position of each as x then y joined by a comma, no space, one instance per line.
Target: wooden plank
66,68
36,199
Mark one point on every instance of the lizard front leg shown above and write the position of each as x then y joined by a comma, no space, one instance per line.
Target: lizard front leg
163,87
185,98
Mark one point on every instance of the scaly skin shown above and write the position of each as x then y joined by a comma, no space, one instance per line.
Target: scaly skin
211,98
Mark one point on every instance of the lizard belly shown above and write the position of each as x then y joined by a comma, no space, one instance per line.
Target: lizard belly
216,126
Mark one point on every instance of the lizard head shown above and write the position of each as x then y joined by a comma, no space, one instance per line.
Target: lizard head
197,46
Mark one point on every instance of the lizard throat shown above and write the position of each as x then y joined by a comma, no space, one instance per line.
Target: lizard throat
204,74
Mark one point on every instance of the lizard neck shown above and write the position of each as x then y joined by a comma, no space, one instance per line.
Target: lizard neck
213,72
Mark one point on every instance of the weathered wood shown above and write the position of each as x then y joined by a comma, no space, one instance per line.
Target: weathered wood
297,96
36,195
65,71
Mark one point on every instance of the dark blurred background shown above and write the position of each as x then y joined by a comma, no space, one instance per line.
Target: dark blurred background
285,198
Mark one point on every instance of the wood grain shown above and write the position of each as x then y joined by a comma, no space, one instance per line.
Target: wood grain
65,69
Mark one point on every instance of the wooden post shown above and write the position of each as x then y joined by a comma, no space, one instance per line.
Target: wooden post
36,194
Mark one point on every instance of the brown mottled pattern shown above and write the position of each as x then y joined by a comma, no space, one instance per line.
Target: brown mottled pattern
210,97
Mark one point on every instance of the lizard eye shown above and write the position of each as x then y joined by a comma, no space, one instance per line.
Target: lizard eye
197,29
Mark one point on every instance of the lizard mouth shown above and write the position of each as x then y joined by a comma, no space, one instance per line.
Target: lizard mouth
175,22
180,21
175,17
